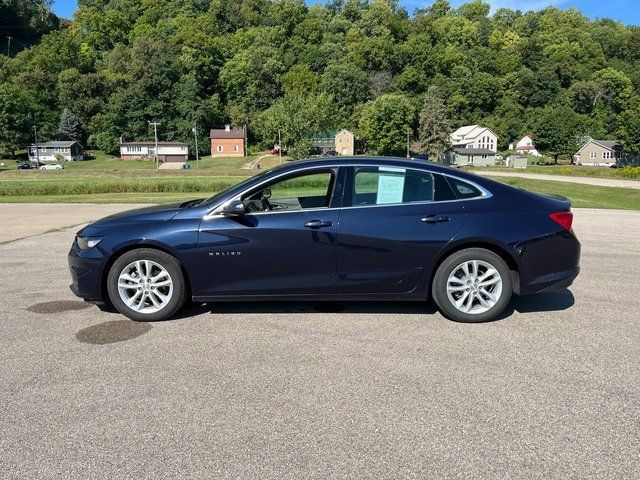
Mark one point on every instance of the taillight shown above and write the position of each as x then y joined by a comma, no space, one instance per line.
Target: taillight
564,219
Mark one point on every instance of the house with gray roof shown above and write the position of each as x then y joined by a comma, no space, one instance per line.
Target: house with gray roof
55,151
482,157
598,153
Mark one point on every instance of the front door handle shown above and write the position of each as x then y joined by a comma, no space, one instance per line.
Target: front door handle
433,219
318,224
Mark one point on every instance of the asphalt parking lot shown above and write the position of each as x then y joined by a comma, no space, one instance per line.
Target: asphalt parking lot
297,390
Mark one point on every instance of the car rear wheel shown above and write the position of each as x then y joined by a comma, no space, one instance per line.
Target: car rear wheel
472,285
146,285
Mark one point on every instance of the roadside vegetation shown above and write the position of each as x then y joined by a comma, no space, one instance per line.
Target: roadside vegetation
107,179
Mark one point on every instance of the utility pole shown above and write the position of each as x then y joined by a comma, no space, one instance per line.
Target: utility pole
155,133
35,132
245,140
408,142
9,46
280,145
195,133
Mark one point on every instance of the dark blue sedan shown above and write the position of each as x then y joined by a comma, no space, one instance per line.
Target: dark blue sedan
334,229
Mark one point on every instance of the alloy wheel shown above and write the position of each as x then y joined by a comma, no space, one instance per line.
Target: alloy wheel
474,287
145,286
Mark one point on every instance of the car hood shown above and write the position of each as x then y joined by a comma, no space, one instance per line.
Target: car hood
155,213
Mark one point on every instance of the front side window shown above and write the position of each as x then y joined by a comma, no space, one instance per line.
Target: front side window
391,185
298,192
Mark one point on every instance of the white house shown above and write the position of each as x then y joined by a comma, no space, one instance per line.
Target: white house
55,151
525,147
167,151
474,136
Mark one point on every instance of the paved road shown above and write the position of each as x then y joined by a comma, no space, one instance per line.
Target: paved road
601,182
19,220
285,391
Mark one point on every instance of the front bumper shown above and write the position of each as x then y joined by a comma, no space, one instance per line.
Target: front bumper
86,267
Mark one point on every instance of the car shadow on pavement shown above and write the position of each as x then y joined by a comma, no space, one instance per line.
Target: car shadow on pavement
552,301
542,302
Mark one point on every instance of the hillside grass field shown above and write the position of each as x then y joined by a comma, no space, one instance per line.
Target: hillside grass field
107,179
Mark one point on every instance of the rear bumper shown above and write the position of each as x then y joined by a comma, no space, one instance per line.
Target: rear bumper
554,281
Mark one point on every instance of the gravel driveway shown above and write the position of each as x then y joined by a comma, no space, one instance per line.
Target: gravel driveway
297,390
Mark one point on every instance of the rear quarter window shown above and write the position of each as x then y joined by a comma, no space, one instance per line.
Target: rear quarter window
464,190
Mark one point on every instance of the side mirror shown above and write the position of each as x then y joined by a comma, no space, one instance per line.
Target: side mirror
234,208
266,193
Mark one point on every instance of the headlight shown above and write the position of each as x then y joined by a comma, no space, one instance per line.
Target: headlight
88,242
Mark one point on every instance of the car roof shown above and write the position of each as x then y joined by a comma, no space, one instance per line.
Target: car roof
391,161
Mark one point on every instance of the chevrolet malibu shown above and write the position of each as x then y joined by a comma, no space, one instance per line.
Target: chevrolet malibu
334,229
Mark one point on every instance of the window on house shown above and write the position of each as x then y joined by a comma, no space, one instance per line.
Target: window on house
235,148
219,148
593,155
43,149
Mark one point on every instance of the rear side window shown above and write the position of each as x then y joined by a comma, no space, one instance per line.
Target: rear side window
391,185
463,189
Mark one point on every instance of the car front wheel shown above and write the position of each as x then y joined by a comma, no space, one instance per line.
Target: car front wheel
146,285
472,285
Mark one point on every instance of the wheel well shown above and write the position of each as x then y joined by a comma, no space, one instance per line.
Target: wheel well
119,253
501,252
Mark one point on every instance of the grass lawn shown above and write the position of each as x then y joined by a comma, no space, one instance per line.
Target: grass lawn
565,170
582,196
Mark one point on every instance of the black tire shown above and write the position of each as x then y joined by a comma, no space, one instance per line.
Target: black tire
447,267
169,263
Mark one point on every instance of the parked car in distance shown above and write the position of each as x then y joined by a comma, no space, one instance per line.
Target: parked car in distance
276,151
339,229
52,166
331,153
26,166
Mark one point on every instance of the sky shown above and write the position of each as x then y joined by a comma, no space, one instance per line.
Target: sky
626,11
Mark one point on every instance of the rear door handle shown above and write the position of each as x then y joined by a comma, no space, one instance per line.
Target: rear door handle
433,219
317,224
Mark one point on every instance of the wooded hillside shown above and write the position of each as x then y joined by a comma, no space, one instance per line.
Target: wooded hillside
363,65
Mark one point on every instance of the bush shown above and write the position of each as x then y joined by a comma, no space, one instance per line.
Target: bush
629,172
111,186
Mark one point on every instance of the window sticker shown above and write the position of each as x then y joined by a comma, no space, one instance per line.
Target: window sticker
390,185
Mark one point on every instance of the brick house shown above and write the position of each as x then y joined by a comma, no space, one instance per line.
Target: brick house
227,142
167,151
597,153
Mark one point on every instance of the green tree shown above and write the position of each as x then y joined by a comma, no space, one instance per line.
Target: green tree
16,119
299,80
298,118
557,132
434,126
384,123
69,127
